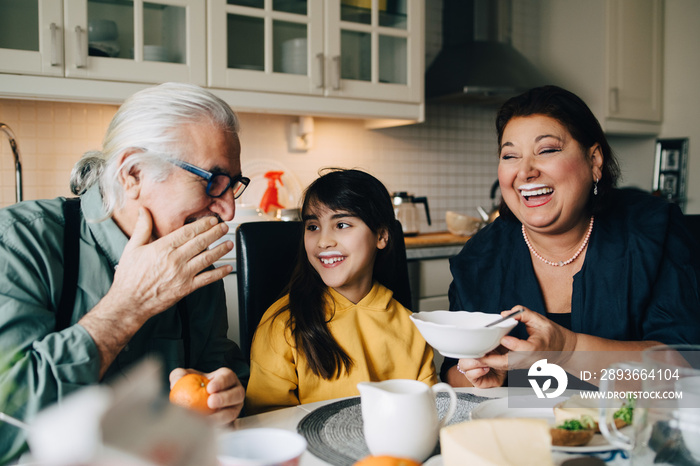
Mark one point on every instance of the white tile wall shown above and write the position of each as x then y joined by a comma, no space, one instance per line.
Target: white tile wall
450,158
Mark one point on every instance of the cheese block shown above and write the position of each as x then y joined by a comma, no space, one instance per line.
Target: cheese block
497,442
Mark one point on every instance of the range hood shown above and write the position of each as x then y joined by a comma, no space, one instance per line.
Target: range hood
477,63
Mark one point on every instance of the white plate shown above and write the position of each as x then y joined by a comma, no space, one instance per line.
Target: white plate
287,195
434,461
498,408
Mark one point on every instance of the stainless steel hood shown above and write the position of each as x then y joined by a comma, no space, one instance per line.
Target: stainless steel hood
477,63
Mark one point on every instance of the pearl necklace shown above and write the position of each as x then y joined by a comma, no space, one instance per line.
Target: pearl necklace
560,263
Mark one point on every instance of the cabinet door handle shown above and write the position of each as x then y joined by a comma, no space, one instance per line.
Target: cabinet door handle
321,71
80,57
336,69
54,45
614,100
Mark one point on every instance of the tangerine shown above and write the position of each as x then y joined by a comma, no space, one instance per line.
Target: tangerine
386,460
191,392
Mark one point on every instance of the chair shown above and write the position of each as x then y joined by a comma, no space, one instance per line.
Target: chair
265,256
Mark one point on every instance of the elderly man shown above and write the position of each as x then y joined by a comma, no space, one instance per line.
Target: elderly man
135,277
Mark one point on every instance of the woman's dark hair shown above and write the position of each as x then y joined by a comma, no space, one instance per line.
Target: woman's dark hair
365,197
573,113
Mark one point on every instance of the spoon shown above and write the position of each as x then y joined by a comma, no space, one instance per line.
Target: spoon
13,421
519,311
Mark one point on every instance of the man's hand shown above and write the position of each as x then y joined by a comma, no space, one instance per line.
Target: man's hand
226,394
152,277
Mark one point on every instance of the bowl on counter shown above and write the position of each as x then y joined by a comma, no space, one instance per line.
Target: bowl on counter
461,334
462,225
260,447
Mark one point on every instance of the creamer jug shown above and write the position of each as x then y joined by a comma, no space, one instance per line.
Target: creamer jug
400,417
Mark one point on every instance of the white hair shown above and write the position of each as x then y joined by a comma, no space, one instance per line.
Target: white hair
147,123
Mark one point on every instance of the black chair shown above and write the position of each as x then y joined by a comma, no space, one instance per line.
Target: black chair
692,222
265,256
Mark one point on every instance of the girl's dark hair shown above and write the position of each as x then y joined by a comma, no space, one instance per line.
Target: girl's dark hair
365,197
573,113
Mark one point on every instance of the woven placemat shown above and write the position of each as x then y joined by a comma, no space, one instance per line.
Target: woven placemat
334,432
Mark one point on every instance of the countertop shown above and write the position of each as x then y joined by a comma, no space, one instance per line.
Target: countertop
434,245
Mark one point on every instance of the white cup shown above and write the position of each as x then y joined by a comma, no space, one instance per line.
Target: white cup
260,447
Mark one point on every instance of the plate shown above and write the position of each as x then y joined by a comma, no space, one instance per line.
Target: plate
434,461
288,195
334,431
498,408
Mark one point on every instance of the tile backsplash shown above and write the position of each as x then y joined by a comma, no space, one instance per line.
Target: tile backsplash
450,158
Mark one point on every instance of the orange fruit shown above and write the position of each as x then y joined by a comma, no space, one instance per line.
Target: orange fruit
191,392
386,460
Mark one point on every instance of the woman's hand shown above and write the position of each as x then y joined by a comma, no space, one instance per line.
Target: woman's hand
480,373
226,394
543,334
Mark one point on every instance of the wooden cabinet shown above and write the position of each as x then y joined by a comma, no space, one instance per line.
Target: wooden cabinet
610,53
111,40
365,49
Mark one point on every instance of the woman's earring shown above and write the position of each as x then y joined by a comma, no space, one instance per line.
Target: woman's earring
595,187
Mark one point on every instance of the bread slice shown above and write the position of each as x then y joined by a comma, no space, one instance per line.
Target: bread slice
571,438
577,407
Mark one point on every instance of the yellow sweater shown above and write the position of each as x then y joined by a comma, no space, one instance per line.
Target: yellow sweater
376,333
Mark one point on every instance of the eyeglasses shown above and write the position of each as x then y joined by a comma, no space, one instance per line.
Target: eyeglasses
217,183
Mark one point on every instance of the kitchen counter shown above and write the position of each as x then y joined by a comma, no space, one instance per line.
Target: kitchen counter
434,245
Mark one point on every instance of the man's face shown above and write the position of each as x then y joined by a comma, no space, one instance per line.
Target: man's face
182,197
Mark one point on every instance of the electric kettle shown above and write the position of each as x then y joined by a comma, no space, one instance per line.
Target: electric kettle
407,213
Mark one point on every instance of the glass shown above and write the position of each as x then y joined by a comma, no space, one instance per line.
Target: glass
393,14
246,42
393,60
250,3
110,29
357,11
356,57
290,47
298,7
19,24
217,183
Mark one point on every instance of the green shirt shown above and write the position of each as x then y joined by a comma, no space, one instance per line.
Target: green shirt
39,366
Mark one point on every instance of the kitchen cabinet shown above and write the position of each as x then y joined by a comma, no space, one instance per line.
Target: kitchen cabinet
335,58
430,282
359,49
111,40
610,53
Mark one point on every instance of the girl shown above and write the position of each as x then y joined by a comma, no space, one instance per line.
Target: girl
337,325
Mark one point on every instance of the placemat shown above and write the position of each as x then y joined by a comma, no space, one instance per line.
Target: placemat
334,432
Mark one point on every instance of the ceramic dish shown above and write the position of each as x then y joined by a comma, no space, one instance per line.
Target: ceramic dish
498,408
461,334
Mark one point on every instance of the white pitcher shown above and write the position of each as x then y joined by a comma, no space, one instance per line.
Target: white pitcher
400,417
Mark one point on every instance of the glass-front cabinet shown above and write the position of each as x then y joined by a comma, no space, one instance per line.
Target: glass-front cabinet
343,48
123,40
31,37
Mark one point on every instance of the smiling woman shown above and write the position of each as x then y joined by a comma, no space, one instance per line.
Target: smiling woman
597,268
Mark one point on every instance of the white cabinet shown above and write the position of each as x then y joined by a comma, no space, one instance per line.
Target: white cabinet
610,53
430,282
112,40
359,49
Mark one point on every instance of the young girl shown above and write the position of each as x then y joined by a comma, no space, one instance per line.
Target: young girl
337,326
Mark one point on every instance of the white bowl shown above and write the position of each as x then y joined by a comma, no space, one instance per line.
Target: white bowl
260,447
462,225
102,29
461,334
